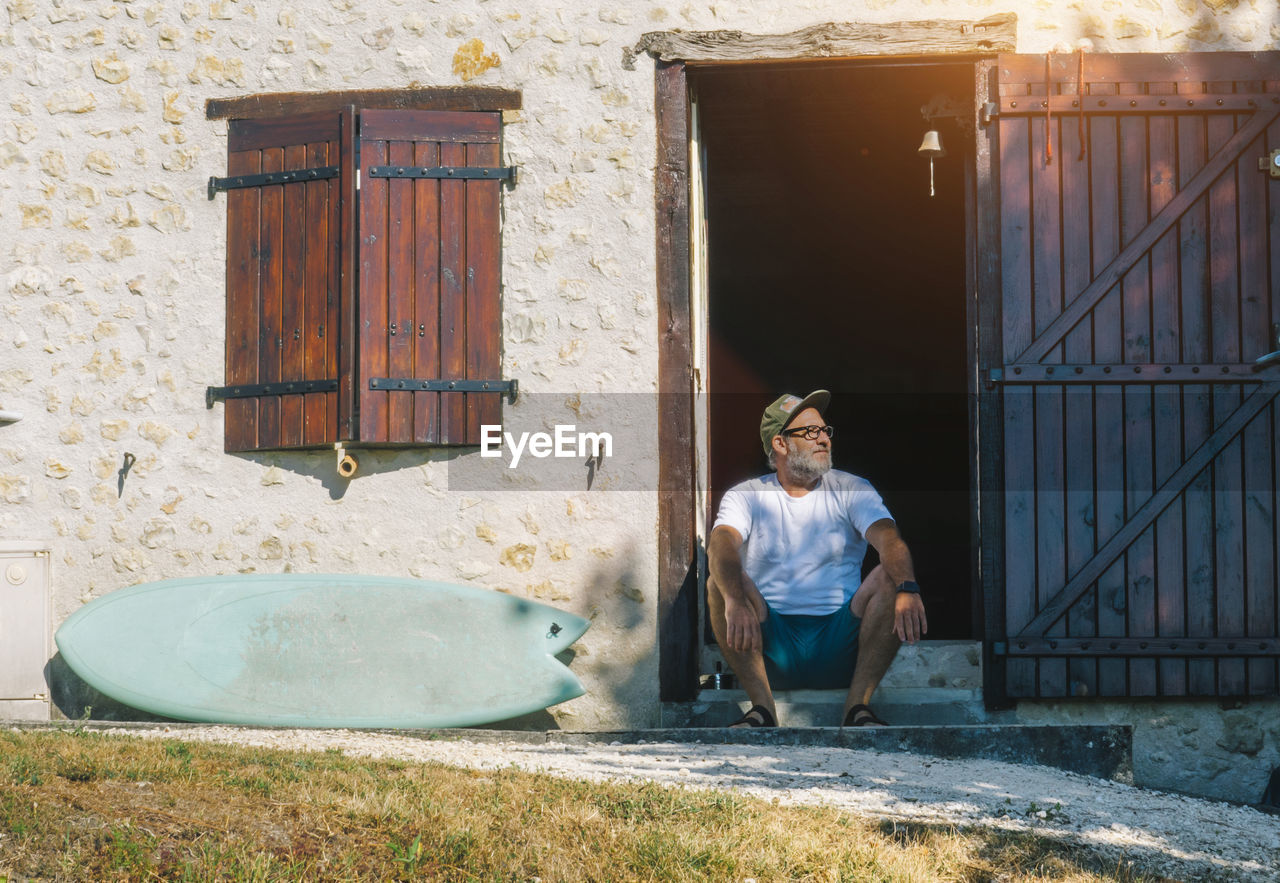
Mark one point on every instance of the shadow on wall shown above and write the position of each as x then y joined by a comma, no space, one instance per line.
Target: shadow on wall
627,681
615,602
323,466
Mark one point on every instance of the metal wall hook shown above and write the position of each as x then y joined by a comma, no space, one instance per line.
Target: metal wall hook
129,460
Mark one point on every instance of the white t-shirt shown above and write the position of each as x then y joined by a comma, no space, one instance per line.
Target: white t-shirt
803,553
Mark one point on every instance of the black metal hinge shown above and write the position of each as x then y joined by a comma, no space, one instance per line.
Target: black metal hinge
1137,647
507,173
235,182
414,384
1221,372
279,388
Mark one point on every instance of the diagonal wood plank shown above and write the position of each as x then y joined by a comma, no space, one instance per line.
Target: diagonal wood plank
1142,243
1058,605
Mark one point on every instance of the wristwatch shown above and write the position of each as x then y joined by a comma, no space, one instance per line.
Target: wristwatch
910,587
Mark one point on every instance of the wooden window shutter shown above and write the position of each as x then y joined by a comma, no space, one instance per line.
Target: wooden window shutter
363,294
429,275
283,280
1138,486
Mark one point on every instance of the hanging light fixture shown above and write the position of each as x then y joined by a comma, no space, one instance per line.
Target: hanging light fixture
932,148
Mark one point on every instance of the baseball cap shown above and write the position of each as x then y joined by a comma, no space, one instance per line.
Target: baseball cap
779,415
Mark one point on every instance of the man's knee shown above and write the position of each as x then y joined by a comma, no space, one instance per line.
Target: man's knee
873,593
716,603
715,608
715,598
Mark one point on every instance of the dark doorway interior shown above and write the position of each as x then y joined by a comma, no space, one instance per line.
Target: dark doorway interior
831,267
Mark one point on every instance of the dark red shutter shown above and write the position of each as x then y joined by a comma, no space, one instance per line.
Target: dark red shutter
429,276
283,275
1138,285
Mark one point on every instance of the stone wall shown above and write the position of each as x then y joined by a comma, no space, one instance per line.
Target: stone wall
1226,750
113,308
112,267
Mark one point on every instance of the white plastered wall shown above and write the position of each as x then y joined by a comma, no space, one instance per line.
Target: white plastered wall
112,269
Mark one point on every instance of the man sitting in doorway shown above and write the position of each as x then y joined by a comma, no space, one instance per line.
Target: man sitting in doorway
788,604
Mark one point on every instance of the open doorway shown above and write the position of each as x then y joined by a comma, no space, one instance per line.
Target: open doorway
831,266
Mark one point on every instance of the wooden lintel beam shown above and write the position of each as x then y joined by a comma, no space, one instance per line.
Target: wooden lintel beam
270,104
997,33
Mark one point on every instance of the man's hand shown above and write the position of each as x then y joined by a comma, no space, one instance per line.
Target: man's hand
909,622
743,606
742,626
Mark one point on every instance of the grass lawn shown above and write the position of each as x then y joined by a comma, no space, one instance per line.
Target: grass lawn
91,806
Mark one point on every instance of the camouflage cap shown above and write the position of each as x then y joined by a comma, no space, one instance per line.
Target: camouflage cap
780,414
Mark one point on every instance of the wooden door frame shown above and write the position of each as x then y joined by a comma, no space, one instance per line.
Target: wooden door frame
943,41
986,404
677,561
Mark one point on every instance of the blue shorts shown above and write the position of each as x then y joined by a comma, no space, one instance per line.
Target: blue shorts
810,652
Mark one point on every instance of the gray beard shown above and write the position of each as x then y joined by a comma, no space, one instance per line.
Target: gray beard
803,466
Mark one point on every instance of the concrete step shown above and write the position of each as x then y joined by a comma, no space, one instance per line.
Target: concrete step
822,708
932,683
1104,751
931,696
936,665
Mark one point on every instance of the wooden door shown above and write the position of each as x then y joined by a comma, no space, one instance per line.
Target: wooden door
1133,483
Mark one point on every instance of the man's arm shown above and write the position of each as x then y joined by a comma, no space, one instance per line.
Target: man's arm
909,622
742,619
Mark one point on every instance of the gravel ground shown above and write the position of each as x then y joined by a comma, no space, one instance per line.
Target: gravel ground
1173,835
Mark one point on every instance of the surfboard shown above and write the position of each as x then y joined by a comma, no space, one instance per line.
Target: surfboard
323,650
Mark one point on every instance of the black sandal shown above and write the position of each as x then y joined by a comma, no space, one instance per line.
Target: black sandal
868,719
765,719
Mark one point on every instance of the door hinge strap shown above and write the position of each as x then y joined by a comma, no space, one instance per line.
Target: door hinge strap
1222,372
414,384
1139,647
1230,102
235,182
279,388
468,172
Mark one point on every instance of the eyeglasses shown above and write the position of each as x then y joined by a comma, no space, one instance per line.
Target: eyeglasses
810,432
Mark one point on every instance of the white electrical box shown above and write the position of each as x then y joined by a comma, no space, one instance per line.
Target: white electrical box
26,630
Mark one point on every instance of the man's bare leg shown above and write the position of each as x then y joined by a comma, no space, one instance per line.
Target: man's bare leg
877,643
747,665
